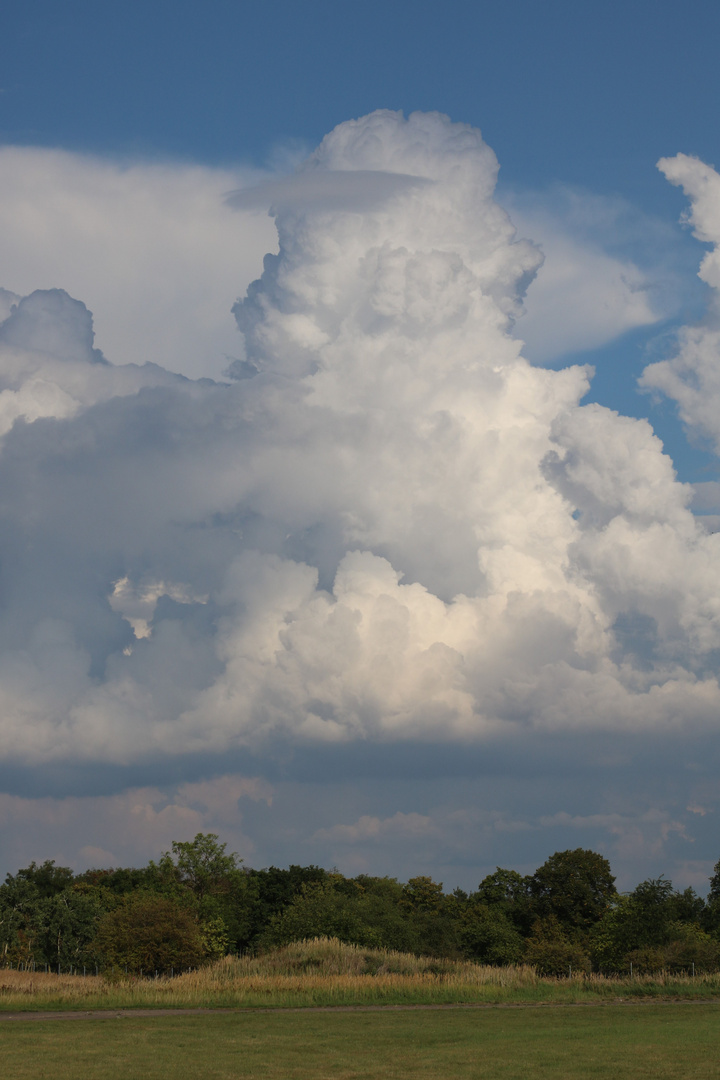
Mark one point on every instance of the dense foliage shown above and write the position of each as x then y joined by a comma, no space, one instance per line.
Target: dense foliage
197,903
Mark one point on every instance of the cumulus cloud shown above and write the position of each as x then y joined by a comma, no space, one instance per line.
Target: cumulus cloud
691,376
396,529
389,529
50,367
151,248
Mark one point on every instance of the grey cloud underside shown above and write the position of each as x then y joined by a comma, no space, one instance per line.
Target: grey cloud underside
391,531
454,812
329,190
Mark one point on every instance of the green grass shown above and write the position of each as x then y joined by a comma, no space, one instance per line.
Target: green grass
658,1041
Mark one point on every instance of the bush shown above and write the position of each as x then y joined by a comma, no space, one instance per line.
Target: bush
551,952
148,932
488,936
689,945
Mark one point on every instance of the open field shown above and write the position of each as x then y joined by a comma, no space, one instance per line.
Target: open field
326,972
625,1042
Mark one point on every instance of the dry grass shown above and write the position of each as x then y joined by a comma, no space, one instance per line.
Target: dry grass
327,972
32,983
330,958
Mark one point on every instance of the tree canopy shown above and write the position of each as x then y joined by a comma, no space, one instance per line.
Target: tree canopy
199,901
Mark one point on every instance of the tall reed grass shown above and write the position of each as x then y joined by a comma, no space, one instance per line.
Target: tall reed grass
326,972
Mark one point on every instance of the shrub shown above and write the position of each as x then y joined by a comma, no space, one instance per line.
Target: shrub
487,935
148,932
551,952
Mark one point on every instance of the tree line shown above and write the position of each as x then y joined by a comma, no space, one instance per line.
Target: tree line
198,903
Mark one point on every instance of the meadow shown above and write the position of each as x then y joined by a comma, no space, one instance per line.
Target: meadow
625,1042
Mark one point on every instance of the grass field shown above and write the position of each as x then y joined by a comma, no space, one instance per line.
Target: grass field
622,1042
326,972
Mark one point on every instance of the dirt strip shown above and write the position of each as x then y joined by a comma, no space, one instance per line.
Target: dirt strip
131,1014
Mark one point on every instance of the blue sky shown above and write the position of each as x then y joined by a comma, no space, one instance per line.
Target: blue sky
590,95
161,531
568,95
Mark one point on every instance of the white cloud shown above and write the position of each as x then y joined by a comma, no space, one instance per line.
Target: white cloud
583,298
152,249
369,828
50,367
397,529
691,376
590,290
392,529
137,602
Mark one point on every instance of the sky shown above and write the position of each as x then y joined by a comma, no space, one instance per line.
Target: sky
359,406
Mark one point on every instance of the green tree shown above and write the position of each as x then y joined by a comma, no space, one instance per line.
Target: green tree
379,902
26,900
688,907
573,886
422,894
202,864
653,910
509,892
615,935
47,917
643,928
48,879
714,894
120,880
432,916
201,873
266,893
367,911
20,903
320,910
487,935
711,917
67,926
